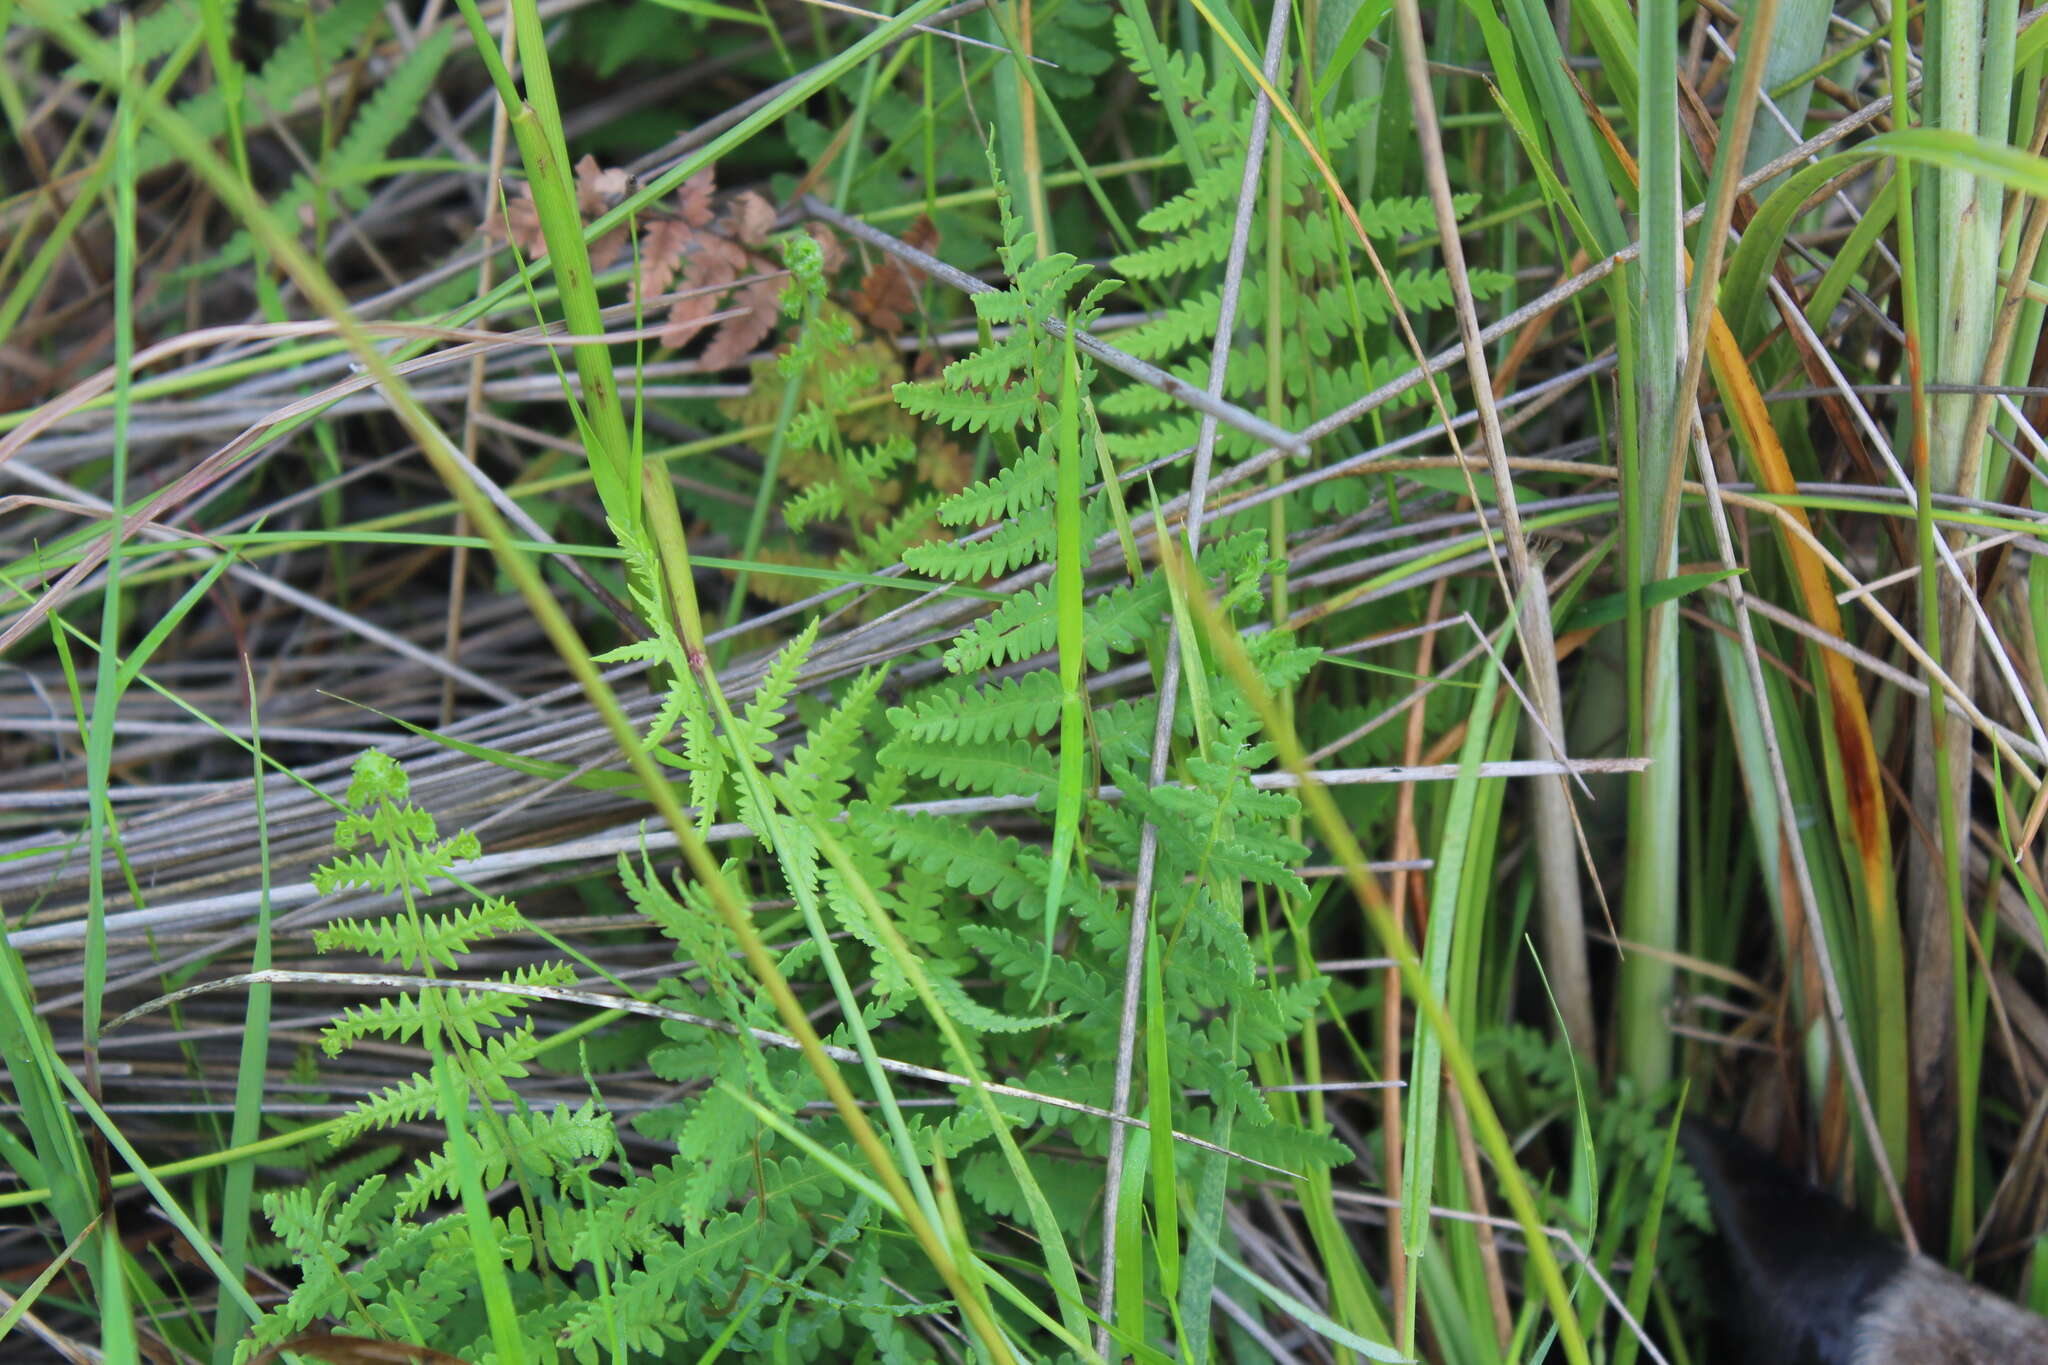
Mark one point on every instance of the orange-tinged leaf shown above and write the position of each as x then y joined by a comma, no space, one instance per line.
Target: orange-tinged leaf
519,223
693,199
662,248
888,293
713,262
599,190
749,218
762,298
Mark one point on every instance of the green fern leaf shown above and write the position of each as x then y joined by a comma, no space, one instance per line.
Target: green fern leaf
411,939
818,770
538,1147
958,712
764,712
296,67
966,411
391,108
1013,545
1025,483
995,767
1073,986
978,861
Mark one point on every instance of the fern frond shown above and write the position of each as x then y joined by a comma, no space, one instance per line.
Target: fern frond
499,1060
393,104
819,502
978,861
886,545
462,1014
1119,621
1072,986
1195,824
296,67
820,767
966,410
757,724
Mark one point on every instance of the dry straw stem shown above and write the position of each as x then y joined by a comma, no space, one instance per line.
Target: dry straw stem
1558,835
45,931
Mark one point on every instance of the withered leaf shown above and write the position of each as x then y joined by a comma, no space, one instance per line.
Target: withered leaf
712,262
749,218
662,248
832,249
762,299
693,199
599,190
888,293
519,223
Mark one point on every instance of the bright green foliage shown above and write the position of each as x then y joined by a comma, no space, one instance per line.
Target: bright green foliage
1068,34
733,1229
655,1261
1007,389
704,754
968,714
1336,334
416,1282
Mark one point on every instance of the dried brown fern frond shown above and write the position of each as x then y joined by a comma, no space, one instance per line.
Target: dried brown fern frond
718,254
888,292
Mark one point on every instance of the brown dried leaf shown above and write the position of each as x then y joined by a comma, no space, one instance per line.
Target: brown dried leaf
889,291
606,248
599,190
662,249
713,263
749,218
693,199
924,235
829,244
928,364
519,223
763,300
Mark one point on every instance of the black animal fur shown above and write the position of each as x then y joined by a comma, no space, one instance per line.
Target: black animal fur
1806,1282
